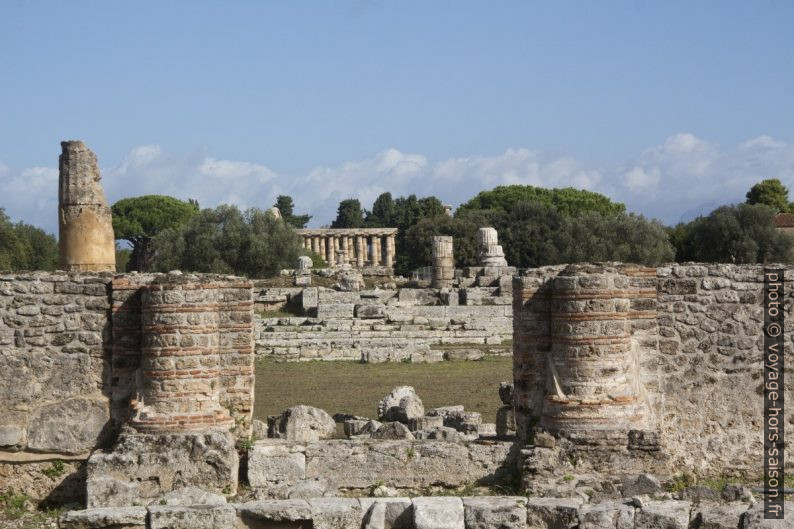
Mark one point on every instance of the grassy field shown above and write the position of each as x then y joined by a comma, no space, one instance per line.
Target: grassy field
350,387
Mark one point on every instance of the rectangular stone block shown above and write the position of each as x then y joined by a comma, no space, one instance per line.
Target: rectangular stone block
275,463
335,310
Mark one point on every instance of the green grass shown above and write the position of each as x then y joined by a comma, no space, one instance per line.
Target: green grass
350,387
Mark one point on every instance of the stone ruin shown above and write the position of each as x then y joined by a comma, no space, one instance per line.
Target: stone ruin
490,253
621,374
85,237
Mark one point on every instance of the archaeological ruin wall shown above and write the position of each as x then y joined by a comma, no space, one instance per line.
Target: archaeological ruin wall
651,368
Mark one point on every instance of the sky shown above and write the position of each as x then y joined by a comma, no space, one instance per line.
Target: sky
673,107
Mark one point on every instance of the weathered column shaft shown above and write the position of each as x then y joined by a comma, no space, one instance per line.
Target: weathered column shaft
85,227
330,251
443,262
361,251
390,251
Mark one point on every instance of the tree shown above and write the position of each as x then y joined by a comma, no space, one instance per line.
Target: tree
25,247
743,233
139,219
383,212
568,201
417,242
286,207
770,192
226,240
349,214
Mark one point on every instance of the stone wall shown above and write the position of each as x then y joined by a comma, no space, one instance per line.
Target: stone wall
55,360
695,359
70,350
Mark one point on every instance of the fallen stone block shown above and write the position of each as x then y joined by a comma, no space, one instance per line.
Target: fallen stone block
754,518
189,496
639,485
393,431
506,393
371,311
425,423
438,513
487,429
104,517
671,514
441,433
304,424
715,515
401,402
495,512
360,427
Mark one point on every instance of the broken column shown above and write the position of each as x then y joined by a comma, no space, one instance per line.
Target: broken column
196,370
303,274
85,227
490,252
443,262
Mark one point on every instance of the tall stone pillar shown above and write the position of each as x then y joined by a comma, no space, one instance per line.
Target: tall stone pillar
390,251
361,251
443,262
307,242
331,250
322,248
376,250
85,225
345,250
315,244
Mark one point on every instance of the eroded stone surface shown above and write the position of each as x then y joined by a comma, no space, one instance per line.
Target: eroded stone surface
438,513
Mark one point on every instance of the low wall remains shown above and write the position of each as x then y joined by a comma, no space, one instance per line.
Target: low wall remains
406,324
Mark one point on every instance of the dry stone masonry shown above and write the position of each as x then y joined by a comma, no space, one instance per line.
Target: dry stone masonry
85,238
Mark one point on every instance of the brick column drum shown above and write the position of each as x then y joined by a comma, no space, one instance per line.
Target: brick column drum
181,360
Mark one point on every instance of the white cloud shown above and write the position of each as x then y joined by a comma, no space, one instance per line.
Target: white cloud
682,176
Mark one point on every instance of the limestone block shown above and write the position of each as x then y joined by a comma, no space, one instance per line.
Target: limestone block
336,513
715,515
754,518
505,421
302,280
487,429
471,355
309,299
401,401
350,282
387,513
72,426
188,496
275,463
195,517
417,296
671,514
303,424
12,437
440,433
606,515
425,423
392,431
495,512
102,518
142,467
639,485
553,513
370,311
438,513
360,427
326,311
401,464
256,513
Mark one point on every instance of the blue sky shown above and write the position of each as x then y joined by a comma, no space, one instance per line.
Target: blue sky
671,107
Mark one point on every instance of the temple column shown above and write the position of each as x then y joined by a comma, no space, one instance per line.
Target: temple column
331,251
361,251
321,246
375,250
390,251
315,244
345,250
